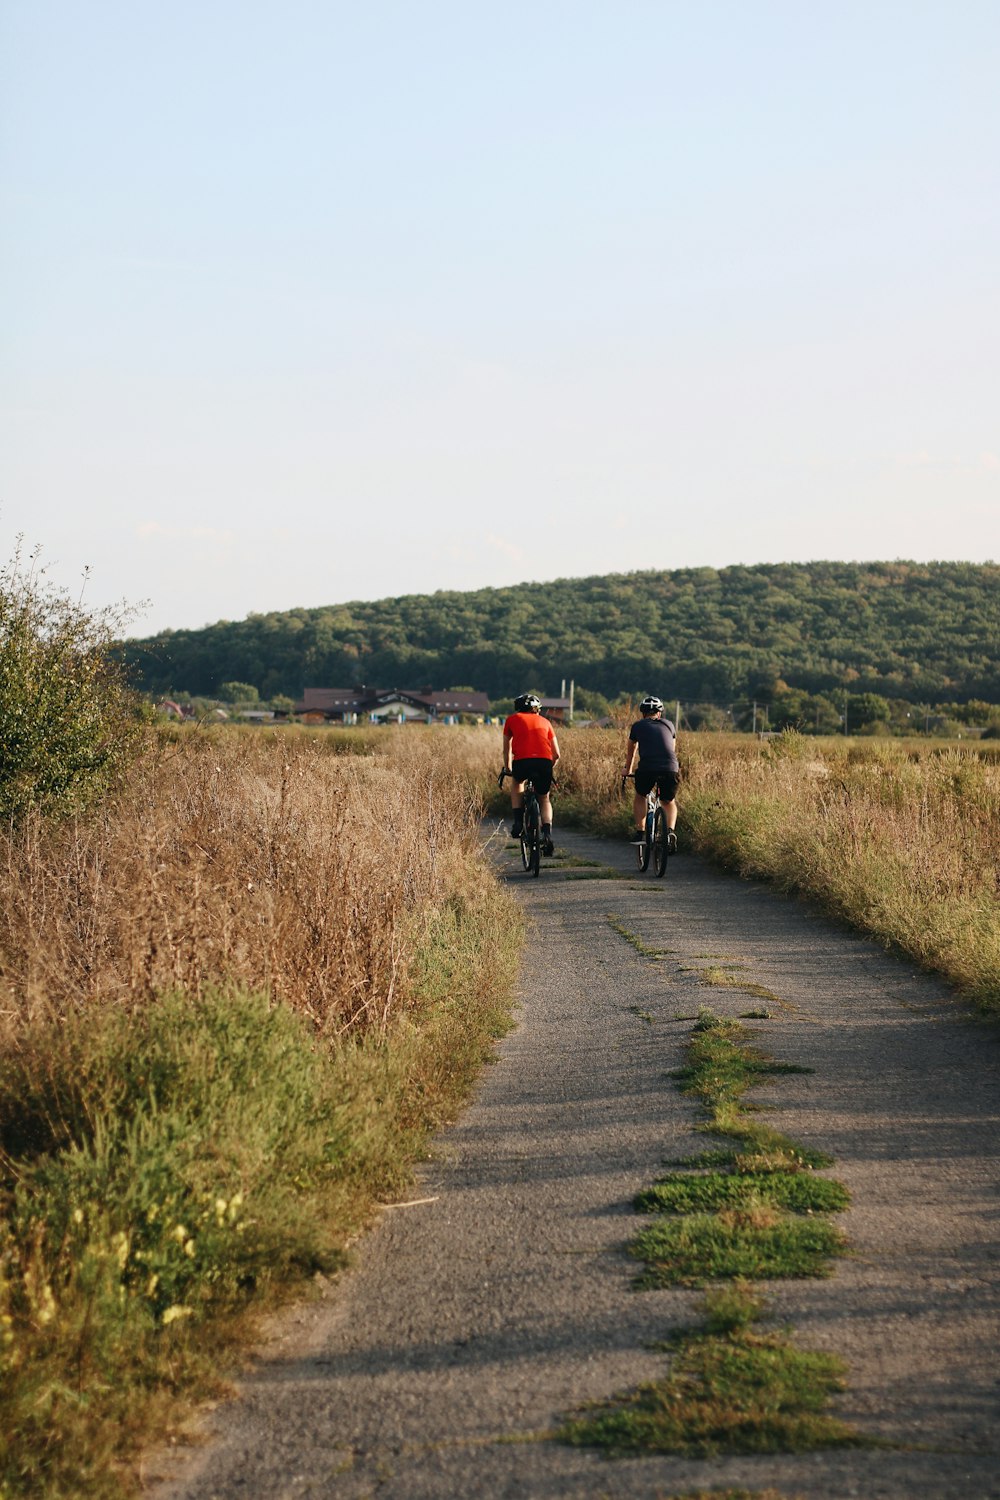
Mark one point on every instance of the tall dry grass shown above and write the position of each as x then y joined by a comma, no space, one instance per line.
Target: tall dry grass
900,840
279,863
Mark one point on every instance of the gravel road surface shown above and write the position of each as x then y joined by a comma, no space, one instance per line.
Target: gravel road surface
497,1298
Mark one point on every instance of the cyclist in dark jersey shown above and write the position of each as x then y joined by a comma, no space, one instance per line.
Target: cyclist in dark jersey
653,739
530,750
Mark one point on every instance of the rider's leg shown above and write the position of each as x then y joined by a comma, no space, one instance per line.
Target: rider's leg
545,809
670,810
517,808
639,810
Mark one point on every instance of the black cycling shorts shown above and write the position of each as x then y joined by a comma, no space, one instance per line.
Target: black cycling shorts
536,770
649,775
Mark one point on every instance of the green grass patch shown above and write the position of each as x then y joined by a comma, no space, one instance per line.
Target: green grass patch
798,1192
780,1155
756,1242
731,1388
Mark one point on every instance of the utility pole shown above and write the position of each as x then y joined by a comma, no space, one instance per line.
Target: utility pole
677,721
572,686
755,716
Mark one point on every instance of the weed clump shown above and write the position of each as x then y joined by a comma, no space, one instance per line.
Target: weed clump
731,1388
754,1241
686,1192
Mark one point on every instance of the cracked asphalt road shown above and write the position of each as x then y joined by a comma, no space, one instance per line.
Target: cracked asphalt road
498,1297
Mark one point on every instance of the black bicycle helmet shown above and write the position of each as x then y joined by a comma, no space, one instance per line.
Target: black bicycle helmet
651,705
527,703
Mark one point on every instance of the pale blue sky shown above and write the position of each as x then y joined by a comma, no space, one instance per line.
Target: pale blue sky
308,302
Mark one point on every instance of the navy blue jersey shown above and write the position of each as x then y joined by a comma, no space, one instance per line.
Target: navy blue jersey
657,746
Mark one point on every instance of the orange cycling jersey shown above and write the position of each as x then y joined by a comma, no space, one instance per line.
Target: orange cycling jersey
531,737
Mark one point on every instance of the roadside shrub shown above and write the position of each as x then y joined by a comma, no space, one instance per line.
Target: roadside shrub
68,721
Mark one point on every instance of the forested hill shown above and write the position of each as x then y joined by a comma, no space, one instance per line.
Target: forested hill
920,631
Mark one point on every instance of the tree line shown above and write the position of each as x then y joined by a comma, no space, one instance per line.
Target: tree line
923,633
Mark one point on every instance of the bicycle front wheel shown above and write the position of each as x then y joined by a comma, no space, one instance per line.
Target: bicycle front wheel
660,844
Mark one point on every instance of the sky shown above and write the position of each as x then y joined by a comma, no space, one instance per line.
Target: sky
311,302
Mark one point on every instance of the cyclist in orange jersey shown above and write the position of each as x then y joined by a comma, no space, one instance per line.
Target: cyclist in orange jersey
530,751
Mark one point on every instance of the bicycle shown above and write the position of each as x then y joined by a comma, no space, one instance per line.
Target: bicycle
656,844
531,827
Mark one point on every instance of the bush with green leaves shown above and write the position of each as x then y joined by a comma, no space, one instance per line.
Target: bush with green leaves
69,722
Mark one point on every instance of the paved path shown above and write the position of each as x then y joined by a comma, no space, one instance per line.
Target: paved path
479,1316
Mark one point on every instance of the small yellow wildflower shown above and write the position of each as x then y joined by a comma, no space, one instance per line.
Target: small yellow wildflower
189,1247
176,1311
180,1233
46,1305
78,1216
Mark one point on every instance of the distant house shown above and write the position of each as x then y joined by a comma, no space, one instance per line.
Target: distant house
348,705
557,709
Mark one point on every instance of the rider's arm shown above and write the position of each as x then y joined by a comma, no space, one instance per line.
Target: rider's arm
508,751
555,750
633,751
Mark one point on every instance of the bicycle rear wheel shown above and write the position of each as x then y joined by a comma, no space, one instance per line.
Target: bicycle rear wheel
642,850
531,838
660,844
531,847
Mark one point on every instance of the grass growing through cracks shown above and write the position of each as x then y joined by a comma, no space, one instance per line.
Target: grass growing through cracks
757,1242
731,1388
688,1193
617,925
752,1209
